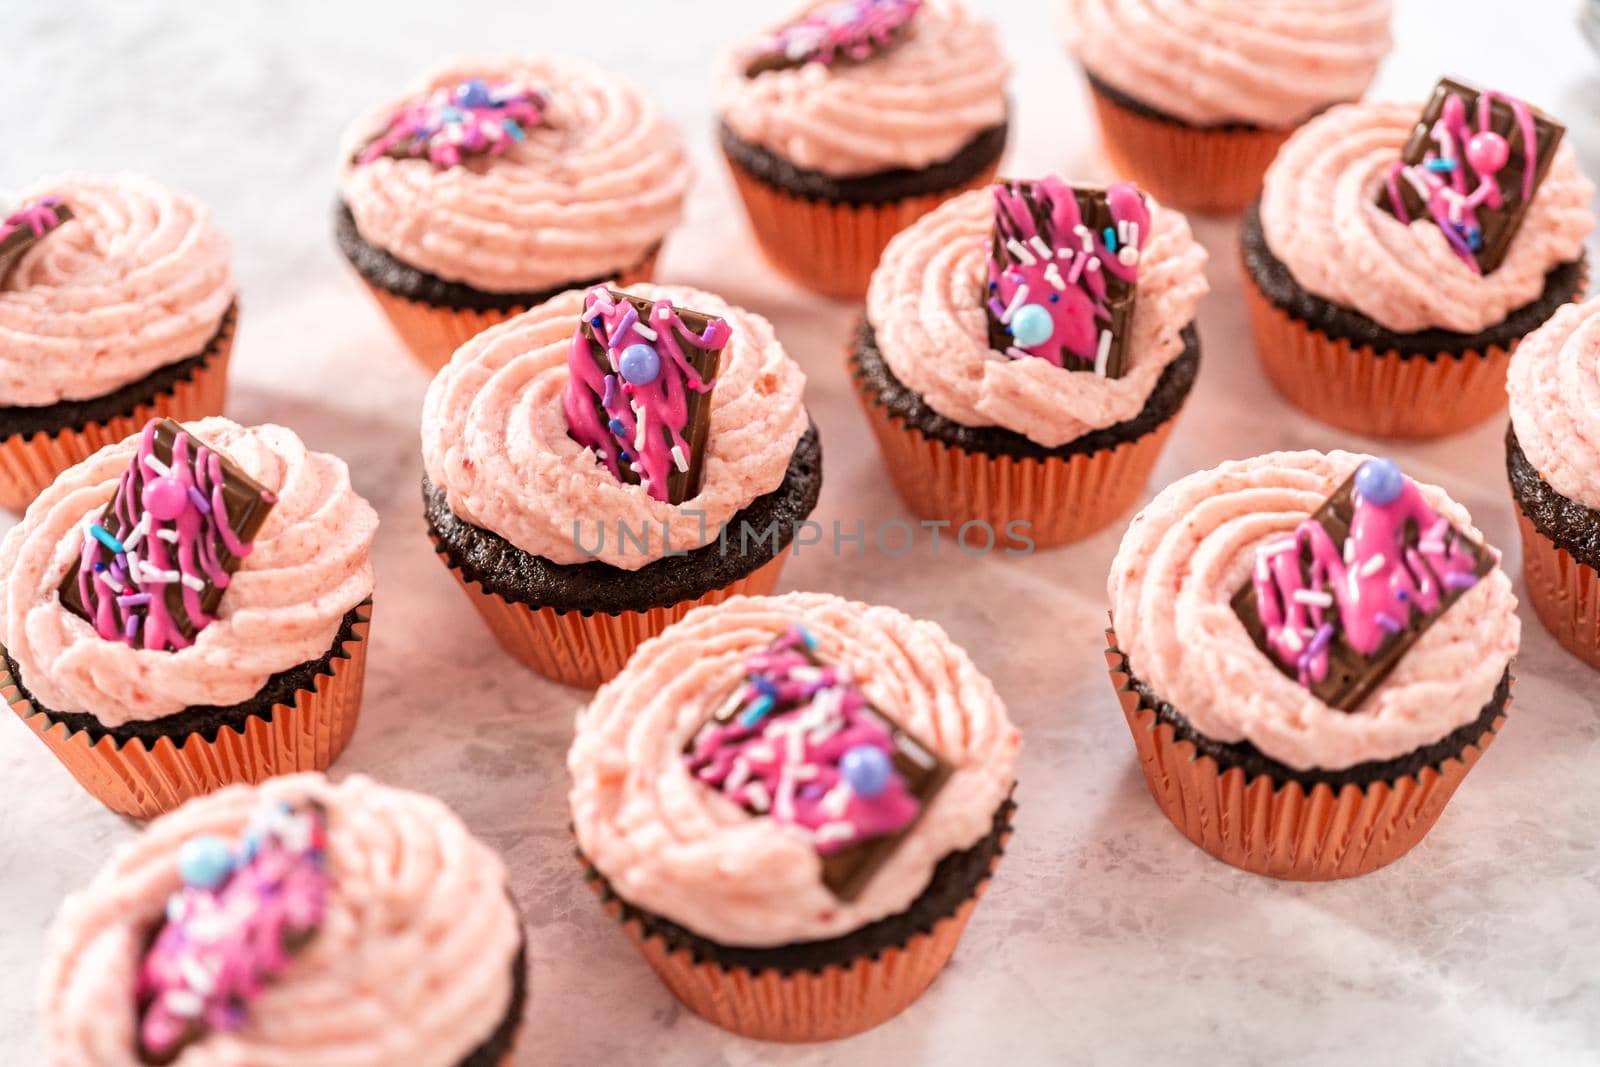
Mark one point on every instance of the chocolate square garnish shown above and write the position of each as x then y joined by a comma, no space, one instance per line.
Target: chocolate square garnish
798,725
844,31
1064,272
1324,615
634,364
26,227
1461,150
154,567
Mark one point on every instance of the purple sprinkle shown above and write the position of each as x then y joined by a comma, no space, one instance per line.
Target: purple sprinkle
134,600
130,626
198,499
1388,623
1460,580
1321,639
610,391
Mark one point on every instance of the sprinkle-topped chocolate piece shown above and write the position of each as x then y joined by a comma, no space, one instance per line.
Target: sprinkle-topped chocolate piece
26,226
154,567
639,395
474,118
1337,603
244,910
797,741
1472,165
1064,271
845,31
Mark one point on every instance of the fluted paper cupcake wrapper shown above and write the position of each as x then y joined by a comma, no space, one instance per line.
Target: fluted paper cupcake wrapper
1062,500
29,463
1379,394
144,780
1565,593
584,650
827,247
1209,170
1284,829
433,332
772,1004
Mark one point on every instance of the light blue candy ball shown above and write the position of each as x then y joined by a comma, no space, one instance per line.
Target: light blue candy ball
866,769
640,364
1379,481
474,93
205,861
1032,325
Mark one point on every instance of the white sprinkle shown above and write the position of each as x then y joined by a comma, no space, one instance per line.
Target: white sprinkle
761,753
1021,252
105,576
1431,547
1373,565
755,795
663,314
152,573
644,331
639,424
738,775
1094,265
783,807
1122,231
635,468
1349,551
1128,256
829,832
1313,597
836,800
169,536
1052,274
1292,639
1278,548
1039,245
183,1004
678,460
136,535
192,582
1016,353
1132,240
1085,238
196,975
917,754
1103,355
804,772
156,465
1018,298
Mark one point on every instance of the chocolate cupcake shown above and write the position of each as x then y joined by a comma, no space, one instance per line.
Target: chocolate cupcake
270,925
853,119
1194,99
792,805
495,184
1554,468
117,305
189,609
1311,651
1386,314
607,461
1022,364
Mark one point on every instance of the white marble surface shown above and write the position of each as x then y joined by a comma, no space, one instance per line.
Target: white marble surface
1107,937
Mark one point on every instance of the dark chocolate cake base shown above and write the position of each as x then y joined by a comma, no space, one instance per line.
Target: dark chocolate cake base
484,557
205,720
1561,286
1244,755
497,1046
385,272
874,379
1144,110
883,187
955,880
1570,525
77,414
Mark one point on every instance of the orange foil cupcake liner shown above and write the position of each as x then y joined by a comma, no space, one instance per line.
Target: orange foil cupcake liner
827,247
802,1005
29,463
1285,830
1061,500
433,332
1378,394
1565,593
143,780
1205,169
585,649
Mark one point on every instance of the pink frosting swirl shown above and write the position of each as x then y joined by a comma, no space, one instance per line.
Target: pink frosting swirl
1194,546
310,565
1269,63
494,437
589,192
916,104
926,306
412,963
1320,216
676,847
1554,385
138,278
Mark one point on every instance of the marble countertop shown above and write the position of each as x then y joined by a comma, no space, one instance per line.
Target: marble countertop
1107,937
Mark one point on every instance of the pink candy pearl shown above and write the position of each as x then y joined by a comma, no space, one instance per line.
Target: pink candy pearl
1487,152
165,498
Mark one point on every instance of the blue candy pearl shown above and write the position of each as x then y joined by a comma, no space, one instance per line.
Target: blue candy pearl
1032,325
640,365
474,93
867,770
204,862
1379,481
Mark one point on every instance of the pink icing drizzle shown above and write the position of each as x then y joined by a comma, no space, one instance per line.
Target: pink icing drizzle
472,118
849,29
780,753
1442,182
636,413
1066,275
1375,580
220,945
40,216
125,592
